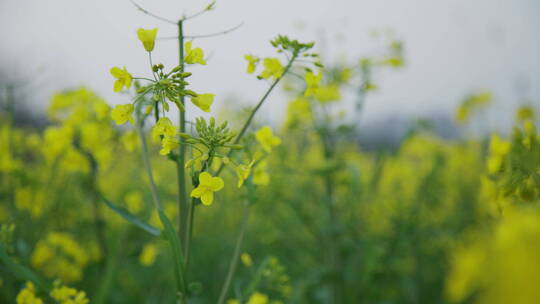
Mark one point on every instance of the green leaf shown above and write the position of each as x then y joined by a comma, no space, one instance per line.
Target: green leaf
132,218
176,250
22,271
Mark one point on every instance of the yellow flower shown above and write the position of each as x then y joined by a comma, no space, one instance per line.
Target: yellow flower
122,113
243,171
267,140
27,295
260,175
252,63
148,38
148,254
328,93
246,259
163,127
258,298
312,83
123,78
194,56
203,101
67,295
272,68
168,143
498,149
207,186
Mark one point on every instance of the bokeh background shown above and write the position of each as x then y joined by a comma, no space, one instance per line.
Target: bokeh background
452,48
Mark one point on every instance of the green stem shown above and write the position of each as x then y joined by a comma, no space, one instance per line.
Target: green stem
189,230
180,161
236,254
257,107
148,166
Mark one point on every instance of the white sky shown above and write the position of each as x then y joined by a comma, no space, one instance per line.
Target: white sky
452,46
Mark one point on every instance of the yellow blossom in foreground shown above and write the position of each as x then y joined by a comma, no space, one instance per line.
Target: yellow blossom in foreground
67,295
502,267
193,56
312,83
27,295
252,63
207,186
122,113
272,68
267,140
148,254
123,78
203,101
148,38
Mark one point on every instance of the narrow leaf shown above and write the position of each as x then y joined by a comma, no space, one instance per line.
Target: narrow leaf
132,218
176,250
23,272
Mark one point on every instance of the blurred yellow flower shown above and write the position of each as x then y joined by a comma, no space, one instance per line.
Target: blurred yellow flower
312,83
148,254
252,63
246,259
272,68
27,295
122,113
267,140
67,295
258,298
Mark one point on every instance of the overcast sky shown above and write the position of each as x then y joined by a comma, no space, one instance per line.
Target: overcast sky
453,47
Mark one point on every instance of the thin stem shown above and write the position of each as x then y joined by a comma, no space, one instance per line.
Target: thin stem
180,161
148,166
257,107
224,32
151,14
236,254
207,8
189,231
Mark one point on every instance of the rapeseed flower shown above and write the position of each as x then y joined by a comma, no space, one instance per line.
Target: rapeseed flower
193,56
272,68
148,38
207,186
267,140
123,78
203,101
122,113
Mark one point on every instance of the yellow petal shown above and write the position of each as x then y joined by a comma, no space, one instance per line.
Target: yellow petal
207,198
216,184
205,179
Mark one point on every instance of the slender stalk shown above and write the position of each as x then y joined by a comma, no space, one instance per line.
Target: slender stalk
236,254
148,167
189,230
256,109
180,161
